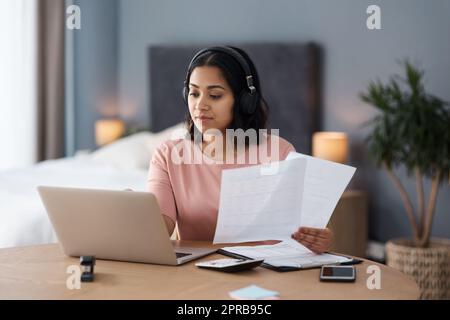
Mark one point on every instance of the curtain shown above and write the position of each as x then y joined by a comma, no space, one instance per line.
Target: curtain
18,91
50,107
31,81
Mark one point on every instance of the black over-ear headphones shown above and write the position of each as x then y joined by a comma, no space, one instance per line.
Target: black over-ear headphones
247,99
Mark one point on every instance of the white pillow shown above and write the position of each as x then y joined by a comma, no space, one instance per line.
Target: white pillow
136,151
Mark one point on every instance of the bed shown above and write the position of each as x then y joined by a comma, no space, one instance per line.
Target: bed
122,164
290,79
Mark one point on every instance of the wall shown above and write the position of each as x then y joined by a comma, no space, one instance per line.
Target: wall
93,61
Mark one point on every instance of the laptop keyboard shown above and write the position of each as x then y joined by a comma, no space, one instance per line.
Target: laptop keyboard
181,254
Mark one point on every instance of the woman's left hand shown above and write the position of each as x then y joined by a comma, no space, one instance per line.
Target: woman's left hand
316,240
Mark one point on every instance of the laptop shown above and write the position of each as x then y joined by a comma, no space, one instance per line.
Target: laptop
113,225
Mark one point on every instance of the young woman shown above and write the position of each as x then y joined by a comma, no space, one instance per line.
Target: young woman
222,92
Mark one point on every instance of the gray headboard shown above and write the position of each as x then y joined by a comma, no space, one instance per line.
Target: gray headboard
289,76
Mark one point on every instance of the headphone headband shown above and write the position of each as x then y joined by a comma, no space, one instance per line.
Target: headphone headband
237,56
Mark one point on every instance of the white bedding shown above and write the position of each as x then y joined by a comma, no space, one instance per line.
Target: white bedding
120,165
23,220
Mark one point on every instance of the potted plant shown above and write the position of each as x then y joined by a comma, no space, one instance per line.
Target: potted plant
413,130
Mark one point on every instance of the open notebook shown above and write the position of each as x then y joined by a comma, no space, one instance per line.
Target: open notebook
286,256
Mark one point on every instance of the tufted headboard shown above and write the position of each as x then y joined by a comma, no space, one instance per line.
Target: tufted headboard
289,76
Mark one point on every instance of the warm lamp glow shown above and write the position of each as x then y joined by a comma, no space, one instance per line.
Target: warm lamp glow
108,130
332,146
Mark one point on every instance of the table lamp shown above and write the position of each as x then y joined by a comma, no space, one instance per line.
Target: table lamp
332,146
108,130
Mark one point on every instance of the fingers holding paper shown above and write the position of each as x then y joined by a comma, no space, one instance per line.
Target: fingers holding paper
317,240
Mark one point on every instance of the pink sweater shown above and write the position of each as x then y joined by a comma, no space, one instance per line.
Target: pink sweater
189,193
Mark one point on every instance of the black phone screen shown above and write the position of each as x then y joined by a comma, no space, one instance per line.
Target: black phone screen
337,272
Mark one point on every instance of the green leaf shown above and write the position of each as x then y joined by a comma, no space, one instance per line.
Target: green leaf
413,127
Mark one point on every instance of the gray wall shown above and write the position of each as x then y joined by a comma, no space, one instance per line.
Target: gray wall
353,55
93,55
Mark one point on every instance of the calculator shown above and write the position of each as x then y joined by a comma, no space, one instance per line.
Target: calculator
229,265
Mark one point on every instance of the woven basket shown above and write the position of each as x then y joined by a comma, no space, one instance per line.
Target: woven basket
430,267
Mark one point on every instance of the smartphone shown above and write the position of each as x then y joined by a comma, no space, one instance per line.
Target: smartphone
338,273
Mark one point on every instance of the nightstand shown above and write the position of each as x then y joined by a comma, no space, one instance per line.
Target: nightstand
349,224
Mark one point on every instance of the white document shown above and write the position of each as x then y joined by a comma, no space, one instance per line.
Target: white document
287,254
325,181
259,204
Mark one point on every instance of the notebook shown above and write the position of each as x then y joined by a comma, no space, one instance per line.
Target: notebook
286,256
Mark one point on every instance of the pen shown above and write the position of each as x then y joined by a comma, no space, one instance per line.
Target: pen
351,262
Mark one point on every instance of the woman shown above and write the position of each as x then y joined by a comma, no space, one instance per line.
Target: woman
222,92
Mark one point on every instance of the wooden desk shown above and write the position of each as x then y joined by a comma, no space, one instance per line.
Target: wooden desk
39,272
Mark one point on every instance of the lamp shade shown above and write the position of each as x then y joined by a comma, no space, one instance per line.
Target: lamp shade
332,146
108,130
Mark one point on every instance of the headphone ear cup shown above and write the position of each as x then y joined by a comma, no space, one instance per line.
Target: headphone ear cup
248,102
185,95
